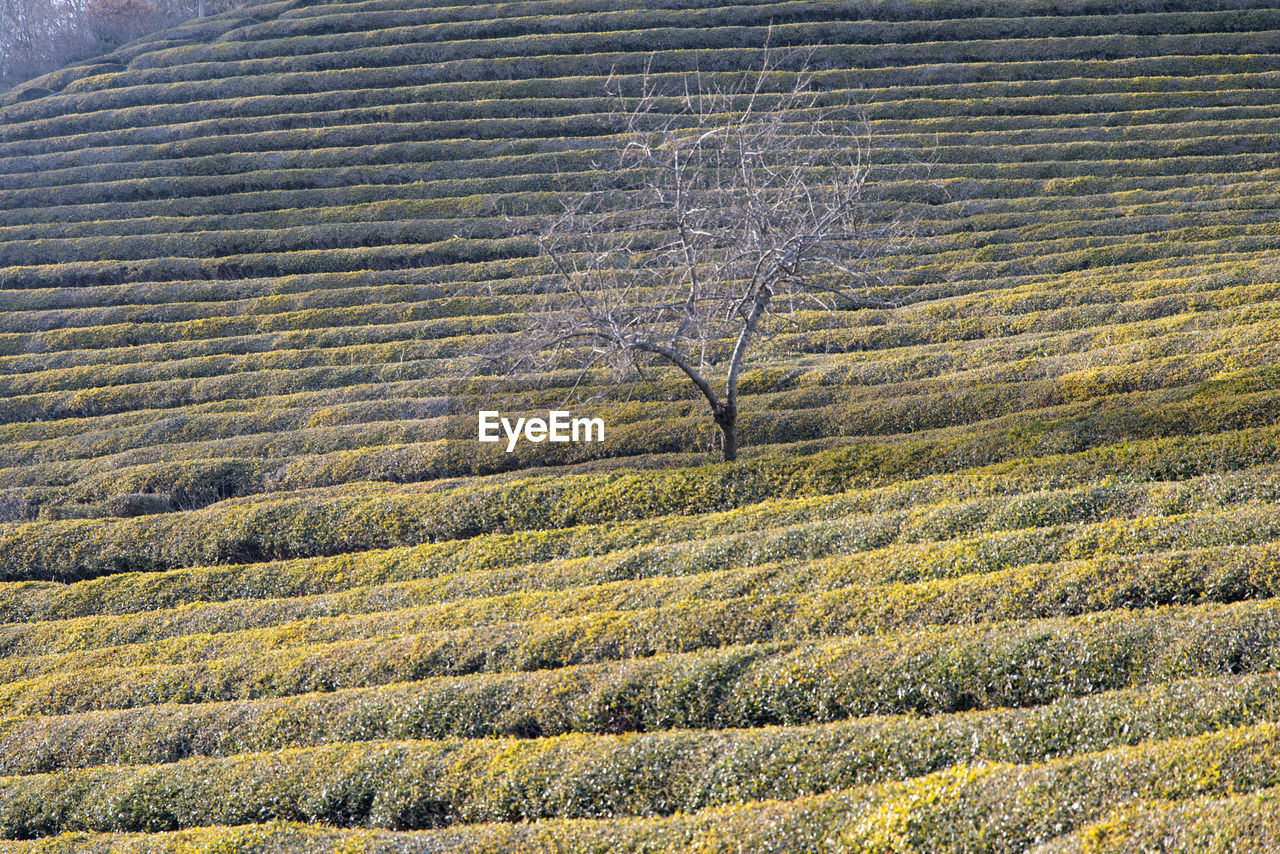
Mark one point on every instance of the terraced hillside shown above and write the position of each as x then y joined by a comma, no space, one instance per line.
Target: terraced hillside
996,571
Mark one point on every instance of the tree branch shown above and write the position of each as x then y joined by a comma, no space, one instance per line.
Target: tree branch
679,361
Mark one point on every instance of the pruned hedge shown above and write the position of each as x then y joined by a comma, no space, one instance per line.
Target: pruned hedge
296,525
690,606
238,257
932,670
1205,825
979,807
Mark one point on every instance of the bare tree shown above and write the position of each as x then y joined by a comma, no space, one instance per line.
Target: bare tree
720,214
35,36
38,36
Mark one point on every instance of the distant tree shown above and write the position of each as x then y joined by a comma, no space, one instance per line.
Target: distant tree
120,21
738,208
38,36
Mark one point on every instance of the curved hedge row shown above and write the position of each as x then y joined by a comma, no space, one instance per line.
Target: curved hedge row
934,670
638,619
951,810
241,258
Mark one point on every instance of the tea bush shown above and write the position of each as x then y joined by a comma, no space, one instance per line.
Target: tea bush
997,570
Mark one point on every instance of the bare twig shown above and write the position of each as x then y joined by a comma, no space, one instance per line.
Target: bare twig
738,203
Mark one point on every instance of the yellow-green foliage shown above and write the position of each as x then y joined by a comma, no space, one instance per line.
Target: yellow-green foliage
981,807
997,568
1213,825
734,606
936,669
357,519
894,746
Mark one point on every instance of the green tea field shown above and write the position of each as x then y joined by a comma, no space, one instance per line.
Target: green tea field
997,570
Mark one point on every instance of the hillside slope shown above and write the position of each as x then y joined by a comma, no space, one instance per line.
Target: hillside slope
261,589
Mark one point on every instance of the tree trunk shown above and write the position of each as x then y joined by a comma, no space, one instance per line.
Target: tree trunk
727,419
